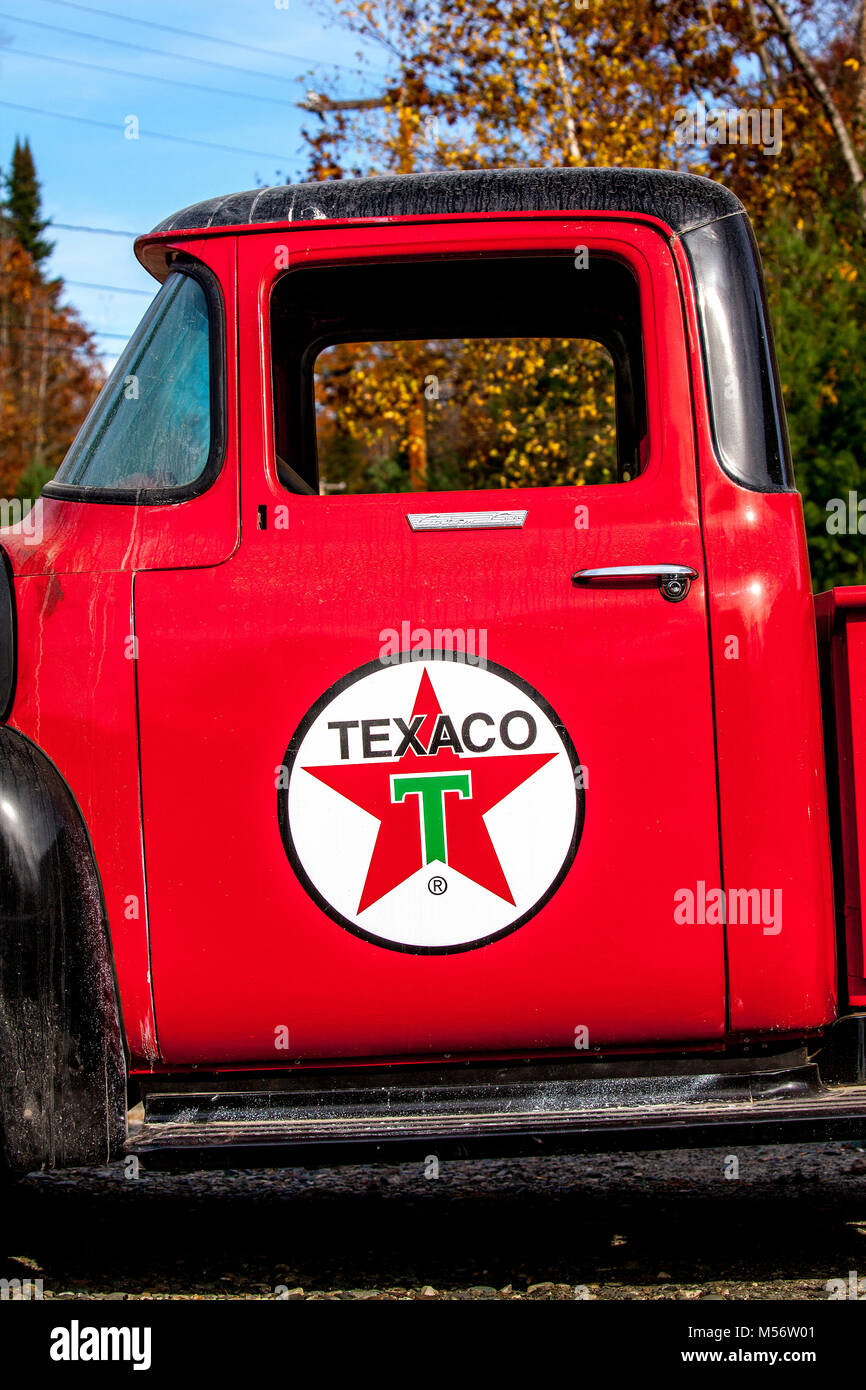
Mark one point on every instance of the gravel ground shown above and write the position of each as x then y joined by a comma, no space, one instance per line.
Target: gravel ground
647,1226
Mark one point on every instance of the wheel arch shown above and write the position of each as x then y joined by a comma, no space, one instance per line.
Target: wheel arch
62,1065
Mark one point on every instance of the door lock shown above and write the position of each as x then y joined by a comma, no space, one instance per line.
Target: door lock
674,587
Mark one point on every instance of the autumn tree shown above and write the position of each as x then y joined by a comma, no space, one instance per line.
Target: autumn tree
572,82
544,82
812,74
494,413
49,366
493,85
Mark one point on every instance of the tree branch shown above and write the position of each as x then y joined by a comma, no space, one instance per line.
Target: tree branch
860,100
761,50
825,96
570,126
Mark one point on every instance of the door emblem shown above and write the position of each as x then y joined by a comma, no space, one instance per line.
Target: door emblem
466,521
431,804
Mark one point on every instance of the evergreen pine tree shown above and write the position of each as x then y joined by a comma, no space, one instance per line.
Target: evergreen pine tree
23,204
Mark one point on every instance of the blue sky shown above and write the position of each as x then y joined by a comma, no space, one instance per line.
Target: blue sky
95,177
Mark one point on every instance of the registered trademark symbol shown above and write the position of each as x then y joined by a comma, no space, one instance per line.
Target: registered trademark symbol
437,886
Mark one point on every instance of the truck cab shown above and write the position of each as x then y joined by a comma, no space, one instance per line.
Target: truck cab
413,724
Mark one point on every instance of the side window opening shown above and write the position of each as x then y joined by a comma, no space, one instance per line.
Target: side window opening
458,375
153,433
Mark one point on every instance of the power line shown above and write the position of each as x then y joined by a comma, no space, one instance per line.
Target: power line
211,38
115,289
34,331
151,134
146,77
142,48
38,336
101,231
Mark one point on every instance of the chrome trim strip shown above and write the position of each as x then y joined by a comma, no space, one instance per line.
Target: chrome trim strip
465,521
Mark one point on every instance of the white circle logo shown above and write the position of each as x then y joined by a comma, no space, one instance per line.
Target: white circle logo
432,804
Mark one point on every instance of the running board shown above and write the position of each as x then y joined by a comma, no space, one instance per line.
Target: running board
359,1113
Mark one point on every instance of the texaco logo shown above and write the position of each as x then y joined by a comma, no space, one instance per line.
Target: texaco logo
431,805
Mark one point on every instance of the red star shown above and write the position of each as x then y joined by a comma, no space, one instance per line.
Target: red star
399,849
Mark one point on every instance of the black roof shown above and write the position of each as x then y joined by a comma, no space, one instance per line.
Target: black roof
683,201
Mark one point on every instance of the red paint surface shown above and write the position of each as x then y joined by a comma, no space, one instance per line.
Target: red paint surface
770,742
241,630
236,655
76,694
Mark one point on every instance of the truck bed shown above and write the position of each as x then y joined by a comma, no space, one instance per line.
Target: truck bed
841,624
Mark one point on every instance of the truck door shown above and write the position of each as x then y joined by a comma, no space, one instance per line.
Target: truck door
428,763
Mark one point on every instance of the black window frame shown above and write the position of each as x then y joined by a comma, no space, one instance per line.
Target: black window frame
723,254
170,496
304,427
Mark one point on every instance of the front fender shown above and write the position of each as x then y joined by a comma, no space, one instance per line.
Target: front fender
62,1067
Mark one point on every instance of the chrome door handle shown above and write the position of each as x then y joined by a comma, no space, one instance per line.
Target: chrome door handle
674,581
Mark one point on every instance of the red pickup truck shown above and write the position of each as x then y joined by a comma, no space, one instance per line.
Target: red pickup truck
478,785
